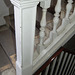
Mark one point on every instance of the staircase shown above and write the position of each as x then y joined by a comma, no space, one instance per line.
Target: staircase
39,37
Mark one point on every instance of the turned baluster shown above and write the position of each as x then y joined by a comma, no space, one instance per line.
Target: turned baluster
56,18
65,21
53,34
45,5
72,17
68,8
42,29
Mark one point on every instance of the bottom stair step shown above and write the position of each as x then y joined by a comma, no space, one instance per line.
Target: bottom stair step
4,60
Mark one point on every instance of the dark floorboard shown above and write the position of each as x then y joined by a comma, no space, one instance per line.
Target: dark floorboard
70,45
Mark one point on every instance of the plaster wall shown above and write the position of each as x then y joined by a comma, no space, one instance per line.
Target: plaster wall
6,8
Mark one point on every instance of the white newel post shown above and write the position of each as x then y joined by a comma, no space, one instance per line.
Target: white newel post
25,18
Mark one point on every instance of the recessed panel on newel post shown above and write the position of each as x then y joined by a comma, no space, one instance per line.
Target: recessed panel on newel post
25,18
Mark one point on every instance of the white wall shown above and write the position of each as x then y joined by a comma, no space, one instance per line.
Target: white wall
5,7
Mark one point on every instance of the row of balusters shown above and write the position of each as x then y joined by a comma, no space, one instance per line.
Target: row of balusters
55,32
64,64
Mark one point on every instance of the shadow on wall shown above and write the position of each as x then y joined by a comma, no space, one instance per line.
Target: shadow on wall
6,8
10,6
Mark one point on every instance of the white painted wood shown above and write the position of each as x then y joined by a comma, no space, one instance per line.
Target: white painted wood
61,56
73,70
69,65
72,65
40,74
42,30
53,65
68,8
56,18
46,73
45,5
68,60
65,21
72,17
53,34
25,18
54,46
63,63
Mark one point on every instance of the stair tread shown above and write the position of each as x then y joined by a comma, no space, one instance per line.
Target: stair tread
7,40
4,61
10,20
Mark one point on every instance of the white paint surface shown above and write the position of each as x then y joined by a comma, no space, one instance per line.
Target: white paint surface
25,14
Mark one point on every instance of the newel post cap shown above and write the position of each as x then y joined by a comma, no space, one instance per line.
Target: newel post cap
24,3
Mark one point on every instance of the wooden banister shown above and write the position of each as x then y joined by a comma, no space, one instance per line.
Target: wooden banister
25,23
52,58
48,61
